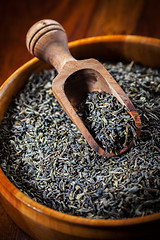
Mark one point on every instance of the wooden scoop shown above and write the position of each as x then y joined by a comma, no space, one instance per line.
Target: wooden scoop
47,41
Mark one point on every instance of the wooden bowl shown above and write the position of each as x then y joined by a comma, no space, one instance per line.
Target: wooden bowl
41,222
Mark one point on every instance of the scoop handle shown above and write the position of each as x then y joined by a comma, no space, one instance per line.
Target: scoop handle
47,40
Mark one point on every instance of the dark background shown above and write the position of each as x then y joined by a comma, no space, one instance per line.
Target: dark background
81,19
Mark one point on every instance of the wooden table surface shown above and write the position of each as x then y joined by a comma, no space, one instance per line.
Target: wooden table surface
80,18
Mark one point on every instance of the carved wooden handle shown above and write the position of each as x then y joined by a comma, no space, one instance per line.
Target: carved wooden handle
47,41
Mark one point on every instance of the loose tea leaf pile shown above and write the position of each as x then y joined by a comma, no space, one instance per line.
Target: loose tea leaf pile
47,158
107,120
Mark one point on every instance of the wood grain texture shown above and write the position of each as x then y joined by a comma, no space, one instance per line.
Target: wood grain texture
81,19
8,229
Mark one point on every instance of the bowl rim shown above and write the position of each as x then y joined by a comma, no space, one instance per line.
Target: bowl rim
8,188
